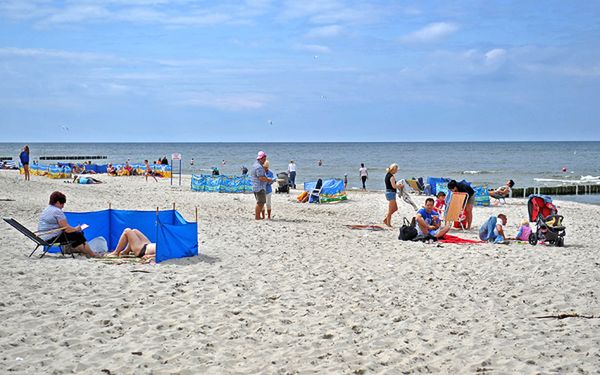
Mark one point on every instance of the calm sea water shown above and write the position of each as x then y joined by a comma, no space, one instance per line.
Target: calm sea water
528,163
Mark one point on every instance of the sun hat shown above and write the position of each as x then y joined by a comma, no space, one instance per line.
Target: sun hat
261,154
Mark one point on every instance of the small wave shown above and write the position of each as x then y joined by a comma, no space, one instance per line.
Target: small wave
477,172
582,180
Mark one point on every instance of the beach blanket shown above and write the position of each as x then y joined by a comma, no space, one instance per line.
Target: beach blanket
365,227
448,238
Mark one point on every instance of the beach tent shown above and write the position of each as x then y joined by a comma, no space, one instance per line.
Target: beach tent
438,184
174,236
221,183
332,190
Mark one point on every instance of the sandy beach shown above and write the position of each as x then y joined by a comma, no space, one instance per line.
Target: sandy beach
301,293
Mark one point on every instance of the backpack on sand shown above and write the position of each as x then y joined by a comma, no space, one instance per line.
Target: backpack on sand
408,230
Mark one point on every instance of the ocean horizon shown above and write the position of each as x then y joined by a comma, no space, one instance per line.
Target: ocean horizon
544,163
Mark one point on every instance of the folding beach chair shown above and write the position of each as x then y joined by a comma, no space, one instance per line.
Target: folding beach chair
316,192
414,184
499,197
34,237
455,205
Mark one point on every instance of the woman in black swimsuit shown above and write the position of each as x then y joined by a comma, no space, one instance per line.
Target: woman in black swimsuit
132,240
390,192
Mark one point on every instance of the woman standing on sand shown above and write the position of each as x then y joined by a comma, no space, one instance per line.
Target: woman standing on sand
390,192
24,156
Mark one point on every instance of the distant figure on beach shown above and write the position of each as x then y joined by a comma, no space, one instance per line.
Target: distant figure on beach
292,173
129,169
132,240
268,190
390,192
192,162
428,221
223,162
345,181
149,171
24,156
215,171
363,174
244,170
502,191
53,226
164,160
259,183
111,170
320,162
492,230
85,180
465,188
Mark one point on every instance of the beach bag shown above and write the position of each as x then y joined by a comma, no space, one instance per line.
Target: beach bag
98,245
408,230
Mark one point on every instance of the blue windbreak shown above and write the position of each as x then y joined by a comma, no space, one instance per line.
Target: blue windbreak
173,235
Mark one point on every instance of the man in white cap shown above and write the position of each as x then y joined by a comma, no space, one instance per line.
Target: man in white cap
259,183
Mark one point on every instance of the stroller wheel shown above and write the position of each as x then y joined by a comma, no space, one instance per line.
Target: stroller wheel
560,242
533,239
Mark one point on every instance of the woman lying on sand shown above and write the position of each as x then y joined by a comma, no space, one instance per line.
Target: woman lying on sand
136,241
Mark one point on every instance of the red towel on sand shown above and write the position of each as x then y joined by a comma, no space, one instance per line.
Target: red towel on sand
448,238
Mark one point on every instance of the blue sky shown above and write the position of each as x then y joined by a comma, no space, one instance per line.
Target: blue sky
285,71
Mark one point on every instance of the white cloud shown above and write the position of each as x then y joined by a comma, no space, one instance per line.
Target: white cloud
56,54
430,33
324,31
239,102
313,48
495,57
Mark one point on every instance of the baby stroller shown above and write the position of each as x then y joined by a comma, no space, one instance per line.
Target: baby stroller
283,183
548,223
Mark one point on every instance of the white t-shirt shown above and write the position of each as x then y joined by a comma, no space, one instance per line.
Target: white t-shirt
498,224
292,167
363,172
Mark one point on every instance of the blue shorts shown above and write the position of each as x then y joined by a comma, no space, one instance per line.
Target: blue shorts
390,195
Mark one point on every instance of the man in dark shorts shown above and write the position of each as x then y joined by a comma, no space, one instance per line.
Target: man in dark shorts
259,183
465,188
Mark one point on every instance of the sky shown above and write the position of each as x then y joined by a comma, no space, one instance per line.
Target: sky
298,71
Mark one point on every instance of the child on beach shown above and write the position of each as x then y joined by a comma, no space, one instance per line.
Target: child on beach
524,231
440,202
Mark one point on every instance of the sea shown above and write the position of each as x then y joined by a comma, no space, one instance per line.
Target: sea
482,163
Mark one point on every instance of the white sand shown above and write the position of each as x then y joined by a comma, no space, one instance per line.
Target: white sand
299,294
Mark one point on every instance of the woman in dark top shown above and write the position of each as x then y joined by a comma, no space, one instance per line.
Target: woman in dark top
24,156
465,188
390,192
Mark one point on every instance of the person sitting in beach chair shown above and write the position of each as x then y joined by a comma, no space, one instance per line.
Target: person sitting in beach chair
428,221
132,240
54,228
502,192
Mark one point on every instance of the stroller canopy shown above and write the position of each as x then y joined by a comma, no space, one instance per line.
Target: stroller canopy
540,205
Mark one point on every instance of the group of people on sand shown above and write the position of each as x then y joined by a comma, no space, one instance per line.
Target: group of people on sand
428,217
53,227
127,170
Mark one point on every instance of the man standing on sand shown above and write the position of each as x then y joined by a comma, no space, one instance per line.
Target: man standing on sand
259,183
362,172
292,173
